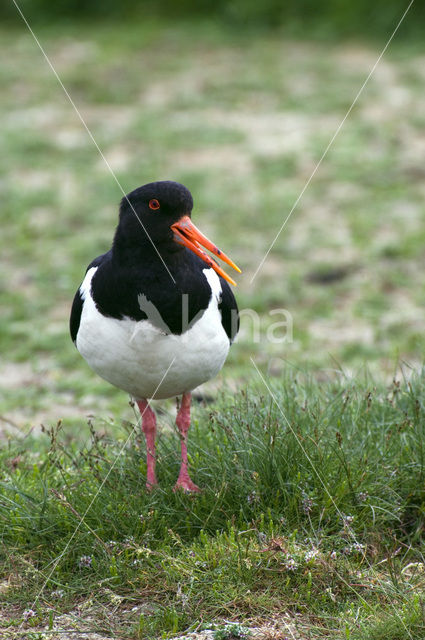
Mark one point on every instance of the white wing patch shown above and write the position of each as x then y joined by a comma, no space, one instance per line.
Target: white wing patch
214,282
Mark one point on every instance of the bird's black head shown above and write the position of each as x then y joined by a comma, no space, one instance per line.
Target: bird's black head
156,219
147,213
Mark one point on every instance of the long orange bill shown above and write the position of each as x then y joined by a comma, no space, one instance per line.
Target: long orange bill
186,233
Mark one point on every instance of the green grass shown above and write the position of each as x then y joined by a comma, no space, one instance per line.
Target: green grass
315,500
242,119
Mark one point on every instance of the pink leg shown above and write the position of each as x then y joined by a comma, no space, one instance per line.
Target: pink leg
183,423
149,429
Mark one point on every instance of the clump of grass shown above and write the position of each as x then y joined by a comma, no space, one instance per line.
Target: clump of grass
403,624
304,497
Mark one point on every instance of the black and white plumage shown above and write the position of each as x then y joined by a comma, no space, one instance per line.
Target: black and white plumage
154,315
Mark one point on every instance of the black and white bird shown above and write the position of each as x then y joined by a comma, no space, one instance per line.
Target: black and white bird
154,316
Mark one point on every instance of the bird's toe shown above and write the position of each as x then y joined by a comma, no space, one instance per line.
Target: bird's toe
186,485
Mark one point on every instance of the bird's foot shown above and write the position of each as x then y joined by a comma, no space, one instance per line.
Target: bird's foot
186,485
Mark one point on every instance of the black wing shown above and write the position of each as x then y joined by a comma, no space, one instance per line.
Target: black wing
74,321
77,305
229,311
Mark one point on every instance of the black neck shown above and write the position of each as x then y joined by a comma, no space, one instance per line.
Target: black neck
143,250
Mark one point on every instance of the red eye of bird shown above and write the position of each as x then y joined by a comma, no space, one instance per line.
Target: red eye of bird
154,204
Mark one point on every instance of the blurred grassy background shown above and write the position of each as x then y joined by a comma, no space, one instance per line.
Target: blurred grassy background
301,17
240,113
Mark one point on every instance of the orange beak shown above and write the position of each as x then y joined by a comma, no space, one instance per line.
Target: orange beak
186,233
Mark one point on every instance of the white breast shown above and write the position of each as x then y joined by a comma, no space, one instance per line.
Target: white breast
134,355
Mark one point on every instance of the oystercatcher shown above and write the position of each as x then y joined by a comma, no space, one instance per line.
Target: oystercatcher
154,316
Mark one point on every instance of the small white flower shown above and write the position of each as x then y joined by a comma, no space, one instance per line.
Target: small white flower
356,547
252,497
310,555
111,544
291,565
85,562
347,520
28,614
363,495
334,555
58,593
